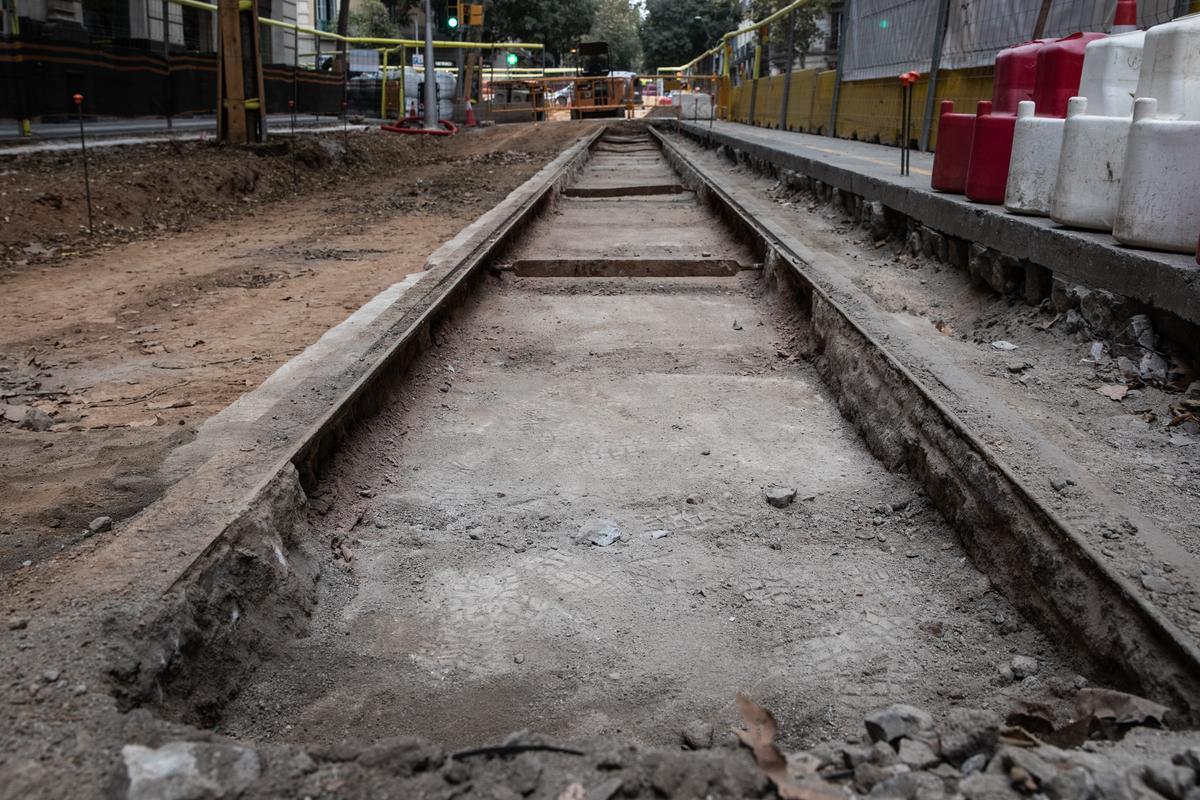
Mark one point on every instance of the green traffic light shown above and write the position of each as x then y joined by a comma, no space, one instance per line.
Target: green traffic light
452,22
511,58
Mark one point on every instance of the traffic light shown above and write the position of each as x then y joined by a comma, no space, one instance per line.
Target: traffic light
511,58
452,14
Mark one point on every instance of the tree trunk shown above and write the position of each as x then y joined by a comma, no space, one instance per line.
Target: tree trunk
343,29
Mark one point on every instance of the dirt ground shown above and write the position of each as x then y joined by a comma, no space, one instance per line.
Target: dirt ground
207,273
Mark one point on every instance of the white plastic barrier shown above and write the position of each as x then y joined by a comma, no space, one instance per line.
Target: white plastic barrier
1159,204
693,105
1110,74
1034,166
1160,191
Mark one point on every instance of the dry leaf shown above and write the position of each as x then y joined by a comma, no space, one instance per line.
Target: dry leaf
1114,391
759,735
1119,708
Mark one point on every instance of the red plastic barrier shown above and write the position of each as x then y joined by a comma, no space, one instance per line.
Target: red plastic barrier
417,126
953,150
1059,65
1059,68
1015,76
991,150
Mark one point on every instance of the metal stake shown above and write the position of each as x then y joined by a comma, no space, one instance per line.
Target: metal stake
87,181
295,180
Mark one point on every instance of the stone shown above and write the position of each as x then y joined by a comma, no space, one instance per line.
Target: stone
876,219
36,420
606,790
883,754
1028,761
1188,758
189,770
18,623
981,786
975,763
917,754
1138,330
910,786
1024,666
698,735
100,524
13,413
779,496
1073,322
600,533
968,732
1170,780
1153,367
1129,370
853,755
402,756
1154,583
866,775
455,772
1071,784
898,721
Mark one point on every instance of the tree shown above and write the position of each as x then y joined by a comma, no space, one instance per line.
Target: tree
617,23
807,19
676,31
558,24
373,19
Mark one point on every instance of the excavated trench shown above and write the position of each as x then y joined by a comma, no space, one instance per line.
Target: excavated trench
559,518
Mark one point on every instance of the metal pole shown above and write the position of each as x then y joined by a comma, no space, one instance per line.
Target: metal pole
935,63
317,71
837,85
403,112
87,181
23,126
790,49
1043,14
295,73
383,89
431,109
166,16
754,77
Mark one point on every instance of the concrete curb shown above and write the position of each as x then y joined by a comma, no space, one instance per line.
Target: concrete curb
1166,281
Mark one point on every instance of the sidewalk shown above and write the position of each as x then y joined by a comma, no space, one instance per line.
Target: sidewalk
1167,281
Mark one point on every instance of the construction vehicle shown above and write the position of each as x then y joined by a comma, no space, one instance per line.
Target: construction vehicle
597,92
593,91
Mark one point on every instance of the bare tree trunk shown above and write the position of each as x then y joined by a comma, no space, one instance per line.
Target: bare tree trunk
343,29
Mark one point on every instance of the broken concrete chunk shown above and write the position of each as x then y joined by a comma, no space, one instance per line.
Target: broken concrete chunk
1024,666
698,735
898,721
188,770
1138,330
779,496
403,756
1154,583
100,524
968,732
601,533
36,420
917,755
